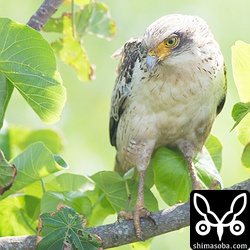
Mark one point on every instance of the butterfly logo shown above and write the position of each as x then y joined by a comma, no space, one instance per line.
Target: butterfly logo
236,227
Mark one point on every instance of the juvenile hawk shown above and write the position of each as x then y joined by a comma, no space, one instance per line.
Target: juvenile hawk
170,87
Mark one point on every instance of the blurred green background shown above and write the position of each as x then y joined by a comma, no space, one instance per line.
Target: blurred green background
84,122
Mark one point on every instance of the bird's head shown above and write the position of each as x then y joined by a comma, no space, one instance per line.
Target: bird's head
176,39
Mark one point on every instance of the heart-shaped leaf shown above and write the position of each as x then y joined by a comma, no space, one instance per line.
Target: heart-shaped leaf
118,191
29,64
240,110
172,178
33,164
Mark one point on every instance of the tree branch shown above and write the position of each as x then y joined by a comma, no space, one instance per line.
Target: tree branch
167,220
43,14
121,233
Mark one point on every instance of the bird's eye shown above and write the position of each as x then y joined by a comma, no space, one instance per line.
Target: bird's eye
172,41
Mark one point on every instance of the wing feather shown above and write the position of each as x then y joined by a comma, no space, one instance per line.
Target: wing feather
123,84
223,99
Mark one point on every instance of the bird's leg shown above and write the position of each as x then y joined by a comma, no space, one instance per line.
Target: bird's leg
139,211
196,185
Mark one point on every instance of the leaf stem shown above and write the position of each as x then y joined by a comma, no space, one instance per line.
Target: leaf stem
43,186
98,200
129,197
73,18
26,222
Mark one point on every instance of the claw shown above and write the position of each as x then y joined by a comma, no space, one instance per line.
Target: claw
136,215
124,215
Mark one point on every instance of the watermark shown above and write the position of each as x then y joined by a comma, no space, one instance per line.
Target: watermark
220,219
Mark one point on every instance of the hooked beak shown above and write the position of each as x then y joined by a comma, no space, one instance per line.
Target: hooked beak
151,62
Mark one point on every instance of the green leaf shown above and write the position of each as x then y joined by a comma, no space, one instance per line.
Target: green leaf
5,144
206,168
245,158
15,139
61,25
70,51
22,137
142,245
214,148
33,164
241,73
81,2
28,62
65,227
7,174
35,189
70,182
95,19
6,89
77,200
77,2
171,176
129,174
60,161
114,187
243,130
101,207
69,189
241,69
117,191
18,215
240,110
50,138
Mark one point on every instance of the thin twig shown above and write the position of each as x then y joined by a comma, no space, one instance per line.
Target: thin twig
44,13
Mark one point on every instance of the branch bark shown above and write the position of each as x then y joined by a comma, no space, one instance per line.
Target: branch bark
43,14
121,233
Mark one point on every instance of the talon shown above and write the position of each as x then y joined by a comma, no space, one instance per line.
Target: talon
136,215
124,215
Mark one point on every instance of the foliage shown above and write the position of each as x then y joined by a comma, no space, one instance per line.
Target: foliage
64,229
241,110
28,64
92,18
31,157
171,174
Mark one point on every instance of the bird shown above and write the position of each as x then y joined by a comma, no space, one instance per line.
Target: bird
170,86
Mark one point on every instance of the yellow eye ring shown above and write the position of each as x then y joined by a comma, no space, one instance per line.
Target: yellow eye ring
172,41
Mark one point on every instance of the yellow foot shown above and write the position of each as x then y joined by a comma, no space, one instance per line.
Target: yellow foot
136,215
